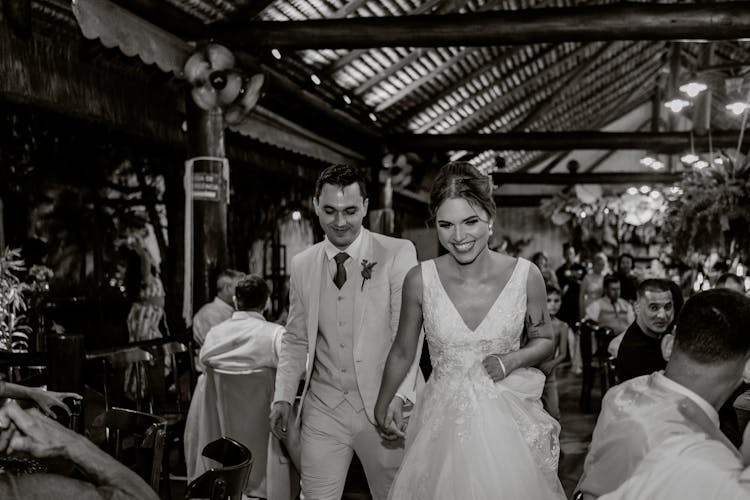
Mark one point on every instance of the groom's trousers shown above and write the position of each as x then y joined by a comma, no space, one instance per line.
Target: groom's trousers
330,437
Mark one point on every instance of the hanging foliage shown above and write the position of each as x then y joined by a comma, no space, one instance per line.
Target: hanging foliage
713,212
609,220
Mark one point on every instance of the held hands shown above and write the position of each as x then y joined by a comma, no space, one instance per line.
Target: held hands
29,431
280,413
391,424
495,367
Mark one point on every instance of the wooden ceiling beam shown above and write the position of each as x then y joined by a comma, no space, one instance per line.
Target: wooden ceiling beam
622,21
587,178
662,142
356,54
449,63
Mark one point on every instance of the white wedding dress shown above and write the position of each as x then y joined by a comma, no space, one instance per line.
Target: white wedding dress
470,438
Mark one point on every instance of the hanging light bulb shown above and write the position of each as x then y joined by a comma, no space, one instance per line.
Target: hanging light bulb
647,160
700,164
656,165
737,107
736,90
632,190
693,88
645,189
689,158
676,104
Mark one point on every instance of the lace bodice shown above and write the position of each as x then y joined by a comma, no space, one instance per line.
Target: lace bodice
454,348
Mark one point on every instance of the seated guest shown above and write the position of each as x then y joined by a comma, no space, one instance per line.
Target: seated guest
628,280
30,433
731,281
640,350
671,417
541,261
218,310
611,310
237,407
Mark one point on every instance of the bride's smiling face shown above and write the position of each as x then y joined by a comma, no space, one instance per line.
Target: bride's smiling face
463,229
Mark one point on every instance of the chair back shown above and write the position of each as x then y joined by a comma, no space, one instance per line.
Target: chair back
136,439
227,482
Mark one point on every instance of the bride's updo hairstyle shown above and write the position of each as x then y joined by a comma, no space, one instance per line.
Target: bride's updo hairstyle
460,179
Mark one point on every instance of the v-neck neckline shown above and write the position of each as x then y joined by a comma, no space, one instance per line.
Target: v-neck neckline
489,311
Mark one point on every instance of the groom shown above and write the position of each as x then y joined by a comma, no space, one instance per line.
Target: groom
345,301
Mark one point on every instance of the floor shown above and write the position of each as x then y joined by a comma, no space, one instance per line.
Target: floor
575,436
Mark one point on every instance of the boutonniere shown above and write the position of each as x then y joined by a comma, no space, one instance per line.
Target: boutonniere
366,271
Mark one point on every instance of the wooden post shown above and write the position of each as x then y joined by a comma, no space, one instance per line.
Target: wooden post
210,256
66,355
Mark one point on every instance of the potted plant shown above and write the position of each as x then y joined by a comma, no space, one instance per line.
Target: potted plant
12,302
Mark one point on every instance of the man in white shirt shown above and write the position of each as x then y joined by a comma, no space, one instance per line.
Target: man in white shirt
233,395
218,310
611,310
672,416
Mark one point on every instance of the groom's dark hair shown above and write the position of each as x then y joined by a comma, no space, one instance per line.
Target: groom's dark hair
713,326
341,176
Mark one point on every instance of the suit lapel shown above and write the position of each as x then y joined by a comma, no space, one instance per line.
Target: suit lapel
372,251
316,270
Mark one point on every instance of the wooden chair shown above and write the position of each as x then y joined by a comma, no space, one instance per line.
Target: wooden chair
117,361
593,360
135,439
228,481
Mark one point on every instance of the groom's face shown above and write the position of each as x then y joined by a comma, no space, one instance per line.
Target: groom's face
340,211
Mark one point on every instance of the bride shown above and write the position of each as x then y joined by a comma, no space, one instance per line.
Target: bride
479,430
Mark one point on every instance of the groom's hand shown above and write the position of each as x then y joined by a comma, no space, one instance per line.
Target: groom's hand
391,427
280,412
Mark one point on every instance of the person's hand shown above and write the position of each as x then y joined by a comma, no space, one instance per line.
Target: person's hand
391,422
47,400
280,412
494,367
34,433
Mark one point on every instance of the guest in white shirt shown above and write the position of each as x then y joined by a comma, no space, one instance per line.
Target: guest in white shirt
611,310
232,397
218,310
671,417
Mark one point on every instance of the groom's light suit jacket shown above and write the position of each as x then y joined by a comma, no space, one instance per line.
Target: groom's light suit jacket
377,305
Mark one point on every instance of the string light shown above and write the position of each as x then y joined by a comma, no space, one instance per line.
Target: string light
692,89
700,164
347,99
276,54
689,158
632,190
315,79
676,105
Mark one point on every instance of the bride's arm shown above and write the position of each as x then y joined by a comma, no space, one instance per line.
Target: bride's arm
404,347
538,328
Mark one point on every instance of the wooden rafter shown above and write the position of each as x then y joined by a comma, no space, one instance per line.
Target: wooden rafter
587,178
567,83
626,21
353,55
664,142
513,93
461,55
507,55
491,114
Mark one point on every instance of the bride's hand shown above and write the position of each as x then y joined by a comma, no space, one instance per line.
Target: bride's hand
391,423
494,367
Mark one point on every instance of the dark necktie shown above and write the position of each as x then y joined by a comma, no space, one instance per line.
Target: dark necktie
340,278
